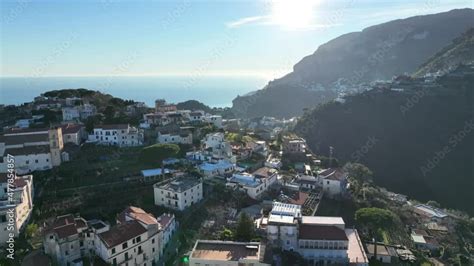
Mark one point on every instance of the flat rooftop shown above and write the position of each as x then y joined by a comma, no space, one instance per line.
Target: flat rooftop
323,220
225,250
180,184
355,250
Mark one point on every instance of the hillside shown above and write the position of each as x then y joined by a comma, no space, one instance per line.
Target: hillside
461,50
416,136
349,62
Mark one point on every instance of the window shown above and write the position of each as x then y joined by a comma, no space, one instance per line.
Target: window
114,261
36,161
124,245
113,250
153,241
47,160
27,161
138,239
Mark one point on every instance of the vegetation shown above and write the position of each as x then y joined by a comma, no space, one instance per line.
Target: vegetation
158,152
401,147
194,106
245,228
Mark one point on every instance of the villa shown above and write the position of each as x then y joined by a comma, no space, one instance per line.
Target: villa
178,194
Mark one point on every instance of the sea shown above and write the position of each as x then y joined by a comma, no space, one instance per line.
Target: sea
215,91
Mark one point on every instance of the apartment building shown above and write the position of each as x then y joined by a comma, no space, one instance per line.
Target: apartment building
256,183
15,211
175,134
67,239
319,240
294,145
122,135
33,149
179,193
169,225
220,168
135,240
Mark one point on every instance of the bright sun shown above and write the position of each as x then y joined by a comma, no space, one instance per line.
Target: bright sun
293,13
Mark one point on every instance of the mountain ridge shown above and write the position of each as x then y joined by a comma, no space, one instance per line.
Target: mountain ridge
350,61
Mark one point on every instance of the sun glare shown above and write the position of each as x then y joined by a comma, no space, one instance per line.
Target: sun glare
293,14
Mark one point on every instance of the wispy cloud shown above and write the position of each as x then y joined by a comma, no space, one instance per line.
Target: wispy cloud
247,20
268,21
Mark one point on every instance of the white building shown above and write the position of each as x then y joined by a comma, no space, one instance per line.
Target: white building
33,149
169,225
196,116
122,135
214,145
175,134
71,113
67,239
135,240
178,194
294,145
15,211
216,120
227,253
258,146
307,181
73,133
282,225
333,181
79,112
219,168
319,240
256,183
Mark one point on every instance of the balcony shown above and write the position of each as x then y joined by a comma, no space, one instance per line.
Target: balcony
171,197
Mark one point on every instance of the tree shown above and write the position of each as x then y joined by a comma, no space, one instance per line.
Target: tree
31,230
245,228
375,218
158,152
226,234
359,172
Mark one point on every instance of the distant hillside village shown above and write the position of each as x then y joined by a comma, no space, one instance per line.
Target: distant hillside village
169,186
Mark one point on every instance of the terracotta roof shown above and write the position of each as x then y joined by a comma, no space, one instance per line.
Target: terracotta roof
299,198
66,230
225,250
321,232
164,219
121,233
136,214
264,172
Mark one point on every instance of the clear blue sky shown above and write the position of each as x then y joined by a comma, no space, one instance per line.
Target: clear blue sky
113,37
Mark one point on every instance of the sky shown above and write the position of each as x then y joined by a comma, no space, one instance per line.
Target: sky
193,38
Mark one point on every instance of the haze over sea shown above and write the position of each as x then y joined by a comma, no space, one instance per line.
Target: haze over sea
215,91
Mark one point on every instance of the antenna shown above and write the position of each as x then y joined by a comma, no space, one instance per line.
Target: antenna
331,151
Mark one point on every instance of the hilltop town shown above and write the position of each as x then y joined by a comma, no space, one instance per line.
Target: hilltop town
90,179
